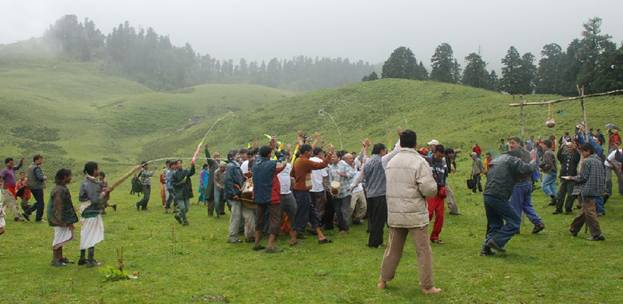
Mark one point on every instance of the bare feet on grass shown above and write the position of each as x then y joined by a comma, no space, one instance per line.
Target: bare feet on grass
432,290
381,284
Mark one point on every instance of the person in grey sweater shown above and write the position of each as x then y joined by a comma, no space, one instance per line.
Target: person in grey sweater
375,186
477,170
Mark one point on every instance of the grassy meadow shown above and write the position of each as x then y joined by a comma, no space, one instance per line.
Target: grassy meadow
74,112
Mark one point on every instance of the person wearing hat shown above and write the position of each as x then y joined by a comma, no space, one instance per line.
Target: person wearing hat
144,177
431,147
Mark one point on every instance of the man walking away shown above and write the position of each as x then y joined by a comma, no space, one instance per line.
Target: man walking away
36,183
592,183
409,181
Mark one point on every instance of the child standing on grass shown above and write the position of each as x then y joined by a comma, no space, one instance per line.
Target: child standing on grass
61,216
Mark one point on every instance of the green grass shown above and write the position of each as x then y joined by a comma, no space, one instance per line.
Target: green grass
551,267
75,112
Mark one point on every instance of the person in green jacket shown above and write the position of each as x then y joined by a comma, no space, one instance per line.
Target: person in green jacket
183,190
61,216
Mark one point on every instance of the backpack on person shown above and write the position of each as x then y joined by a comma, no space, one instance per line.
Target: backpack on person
137,185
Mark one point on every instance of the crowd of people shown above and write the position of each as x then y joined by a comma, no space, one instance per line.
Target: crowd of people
304,189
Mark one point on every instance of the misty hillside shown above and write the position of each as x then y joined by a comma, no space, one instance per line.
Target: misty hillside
75,112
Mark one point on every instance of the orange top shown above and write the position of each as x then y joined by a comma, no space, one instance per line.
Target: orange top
301,171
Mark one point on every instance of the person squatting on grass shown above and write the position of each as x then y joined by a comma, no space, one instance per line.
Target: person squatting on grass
61,216
409,182
502,220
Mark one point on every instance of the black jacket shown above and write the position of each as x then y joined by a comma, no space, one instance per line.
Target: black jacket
568,162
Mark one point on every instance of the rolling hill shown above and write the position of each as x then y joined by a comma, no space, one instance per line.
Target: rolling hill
75,112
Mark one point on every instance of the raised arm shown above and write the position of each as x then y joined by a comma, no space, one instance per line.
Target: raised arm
387,157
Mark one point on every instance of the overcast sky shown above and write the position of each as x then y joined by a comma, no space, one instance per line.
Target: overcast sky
357,29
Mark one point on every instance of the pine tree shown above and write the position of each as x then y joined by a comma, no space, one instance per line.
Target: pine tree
511,76
550,71
444,67
401,64
475,73
593,44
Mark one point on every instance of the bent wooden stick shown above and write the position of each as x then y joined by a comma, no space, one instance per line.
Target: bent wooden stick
123,178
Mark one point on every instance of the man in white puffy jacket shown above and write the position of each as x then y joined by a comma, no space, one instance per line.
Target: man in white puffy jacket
409,182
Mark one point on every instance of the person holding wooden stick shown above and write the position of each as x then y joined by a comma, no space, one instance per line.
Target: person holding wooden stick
183,190
93,197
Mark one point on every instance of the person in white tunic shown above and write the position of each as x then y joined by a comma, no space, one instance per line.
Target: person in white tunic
61,216
92,197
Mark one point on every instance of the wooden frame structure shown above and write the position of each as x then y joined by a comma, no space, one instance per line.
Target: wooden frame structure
581,97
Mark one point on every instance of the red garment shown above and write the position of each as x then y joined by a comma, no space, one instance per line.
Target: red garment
436,208
12,189
26,193
615,139
477,150
275,191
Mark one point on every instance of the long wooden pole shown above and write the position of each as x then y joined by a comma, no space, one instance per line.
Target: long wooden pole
581,92
540,103
123,178
523,121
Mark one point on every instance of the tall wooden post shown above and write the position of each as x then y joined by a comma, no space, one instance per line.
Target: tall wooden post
522,102
581,93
